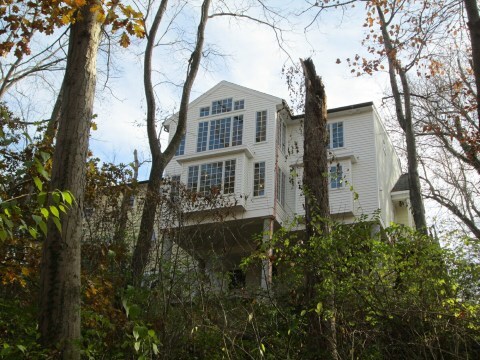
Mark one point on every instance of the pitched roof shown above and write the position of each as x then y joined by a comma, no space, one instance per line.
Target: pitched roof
402,184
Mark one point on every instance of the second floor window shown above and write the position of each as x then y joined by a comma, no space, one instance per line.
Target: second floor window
336,176
181,147
282,136
259,179
212,177
335,135
223,133
281,187
261,126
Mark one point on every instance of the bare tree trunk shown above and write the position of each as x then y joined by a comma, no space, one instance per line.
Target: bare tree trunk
405,119
159,159
315,184
59,320
474,27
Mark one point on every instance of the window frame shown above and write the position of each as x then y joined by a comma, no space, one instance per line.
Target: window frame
205,111
261,120
203,178
222,106
239,105
332,134
259,178
181,146
337,180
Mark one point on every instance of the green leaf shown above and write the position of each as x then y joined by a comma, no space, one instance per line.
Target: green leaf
137,346
32,232
54,211
125,306
45,156
155,348
151,333
303,312
67,197
56,221
41,198
43,227
45,213
136,335
38,183
22,348
41,170
3,235
37,219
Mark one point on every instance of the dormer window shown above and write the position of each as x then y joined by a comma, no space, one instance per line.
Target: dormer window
239,105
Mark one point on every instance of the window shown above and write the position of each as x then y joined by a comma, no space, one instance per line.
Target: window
335,135
221,106
229,178
280,188
210,177
219,134
204,111
239,105
181,147
202,136
237,131
174,186
282,136
192,181
336,176
131,201
238,279
222,133
259,179
261,126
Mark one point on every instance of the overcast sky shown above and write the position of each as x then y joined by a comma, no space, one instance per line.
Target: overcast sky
251,58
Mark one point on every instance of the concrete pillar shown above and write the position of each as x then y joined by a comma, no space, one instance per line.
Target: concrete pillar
266,279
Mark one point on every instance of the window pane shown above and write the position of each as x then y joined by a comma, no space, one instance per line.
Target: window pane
337,135
237,132
259,179
229,180
181,147
219,134
239,105
336,176
204,111
202,136
221,106
261,126
192,182
174,186
211,177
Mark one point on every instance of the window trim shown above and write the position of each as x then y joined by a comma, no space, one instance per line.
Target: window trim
259,172
261,126
330,135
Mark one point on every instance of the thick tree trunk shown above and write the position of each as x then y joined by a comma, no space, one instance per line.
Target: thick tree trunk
315,184
474,27
59,321
405,120
159,159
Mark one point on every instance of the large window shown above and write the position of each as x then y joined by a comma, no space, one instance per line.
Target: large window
222,133
219,134
222,106
212,177
259,179
336,176
261,126
335,135
181,147
280,188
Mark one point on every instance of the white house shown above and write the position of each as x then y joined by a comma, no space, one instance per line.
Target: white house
246,148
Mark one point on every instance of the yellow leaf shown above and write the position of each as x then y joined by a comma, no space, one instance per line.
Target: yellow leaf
25,271
124,40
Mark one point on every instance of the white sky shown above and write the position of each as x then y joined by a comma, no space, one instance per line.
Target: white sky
253,60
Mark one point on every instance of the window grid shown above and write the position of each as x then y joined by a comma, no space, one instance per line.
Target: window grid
239,105
237,131
336,176
259,179
335,135
192,181
219,134
281,187
229,178
204,111
221,106
210,177
261,126
181,147
202,136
